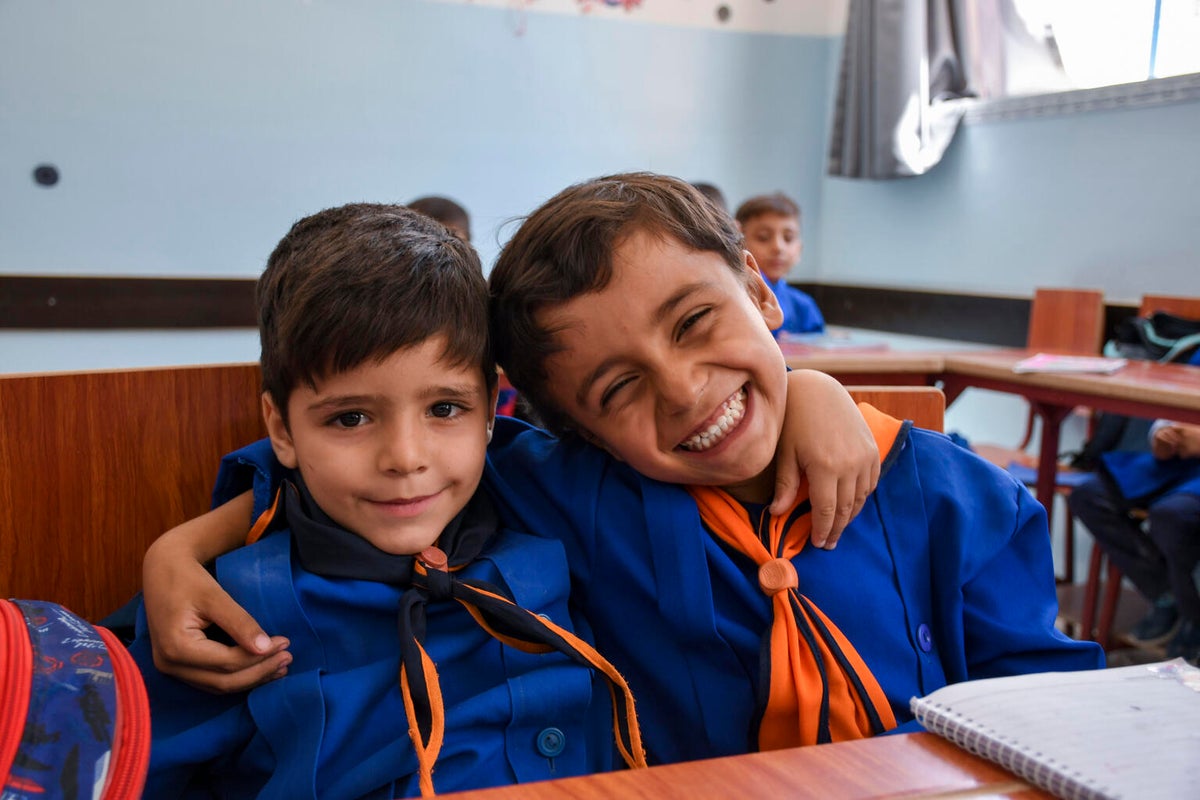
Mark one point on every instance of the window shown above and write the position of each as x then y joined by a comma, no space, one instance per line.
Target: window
1112,53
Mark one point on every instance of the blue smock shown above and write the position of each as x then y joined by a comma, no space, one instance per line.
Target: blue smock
335,726
946,575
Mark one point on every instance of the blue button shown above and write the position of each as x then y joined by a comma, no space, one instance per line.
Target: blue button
550,742
924,637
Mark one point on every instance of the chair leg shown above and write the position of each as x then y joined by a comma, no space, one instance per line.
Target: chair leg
1108,612
1069,546
1091,594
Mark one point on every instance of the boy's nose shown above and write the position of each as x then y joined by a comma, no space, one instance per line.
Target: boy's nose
402,451
679,389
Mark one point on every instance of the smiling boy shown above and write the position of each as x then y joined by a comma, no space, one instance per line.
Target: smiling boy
627,311
422,632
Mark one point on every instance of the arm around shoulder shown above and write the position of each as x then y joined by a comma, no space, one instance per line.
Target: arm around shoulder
183,600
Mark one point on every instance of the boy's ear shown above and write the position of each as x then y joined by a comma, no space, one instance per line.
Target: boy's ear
761,294
493,396
281,437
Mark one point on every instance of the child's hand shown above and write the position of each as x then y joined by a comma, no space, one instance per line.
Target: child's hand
1176,440
1165,441
182,600
825,438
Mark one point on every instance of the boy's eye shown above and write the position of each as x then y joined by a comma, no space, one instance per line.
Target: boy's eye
350,419
611,391
445,410
689,321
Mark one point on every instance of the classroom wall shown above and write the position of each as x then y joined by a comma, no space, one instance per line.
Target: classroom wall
190,135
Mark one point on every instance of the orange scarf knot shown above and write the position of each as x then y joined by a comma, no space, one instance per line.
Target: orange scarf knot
777,575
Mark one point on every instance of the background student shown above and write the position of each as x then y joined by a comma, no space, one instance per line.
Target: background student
771,225
946,576
379,392
1160,559
447,212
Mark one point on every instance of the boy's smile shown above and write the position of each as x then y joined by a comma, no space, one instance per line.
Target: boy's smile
391,450
672,367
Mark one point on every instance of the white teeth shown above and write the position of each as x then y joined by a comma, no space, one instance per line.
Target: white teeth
735,409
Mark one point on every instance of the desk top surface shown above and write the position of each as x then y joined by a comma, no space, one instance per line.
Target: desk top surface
1171,385
909,766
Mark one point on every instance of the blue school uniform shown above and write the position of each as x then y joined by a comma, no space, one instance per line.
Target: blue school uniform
1142,478
800,312
944,576
336,726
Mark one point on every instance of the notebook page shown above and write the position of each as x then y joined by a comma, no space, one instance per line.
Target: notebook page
1131,732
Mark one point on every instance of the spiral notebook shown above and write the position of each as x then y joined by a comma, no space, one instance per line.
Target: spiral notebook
1128,732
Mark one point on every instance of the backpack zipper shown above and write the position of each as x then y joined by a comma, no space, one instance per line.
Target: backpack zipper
16,681
131,739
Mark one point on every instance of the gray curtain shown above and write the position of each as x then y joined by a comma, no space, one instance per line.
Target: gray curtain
909,70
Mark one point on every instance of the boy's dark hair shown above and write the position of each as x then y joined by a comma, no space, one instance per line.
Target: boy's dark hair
564,249
778,203
444,210
714,194
360,282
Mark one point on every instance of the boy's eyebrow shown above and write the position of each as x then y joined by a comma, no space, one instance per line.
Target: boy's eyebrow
665,309
668,306
452,391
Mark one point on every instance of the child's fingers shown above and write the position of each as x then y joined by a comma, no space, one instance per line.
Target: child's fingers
861,489
240,671
182,649
823,491
787,484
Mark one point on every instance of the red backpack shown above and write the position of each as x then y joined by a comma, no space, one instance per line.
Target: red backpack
74,718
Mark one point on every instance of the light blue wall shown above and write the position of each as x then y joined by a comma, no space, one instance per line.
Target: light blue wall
191,134
1099,199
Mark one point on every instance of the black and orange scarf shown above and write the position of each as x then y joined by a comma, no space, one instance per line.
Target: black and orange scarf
814,687
325,548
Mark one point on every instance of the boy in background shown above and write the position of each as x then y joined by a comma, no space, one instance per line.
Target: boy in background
771,225
628,313
447,212
382,557
1161,559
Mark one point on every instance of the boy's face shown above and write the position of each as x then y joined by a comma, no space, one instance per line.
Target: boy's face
774,241
391,450
672,367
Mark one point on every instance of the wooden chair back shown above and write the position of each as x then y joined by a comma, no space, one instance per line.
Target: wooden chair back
1069,321
924,405
1188,307
95,465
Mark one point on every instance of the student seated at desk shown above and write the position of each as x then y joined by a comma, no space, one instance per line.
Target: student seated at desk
382,557
1160,560
734,633
771,225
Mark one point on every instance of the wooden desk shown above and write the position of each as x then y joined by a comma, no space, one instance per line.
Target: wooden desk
907,766
877,367
1142,388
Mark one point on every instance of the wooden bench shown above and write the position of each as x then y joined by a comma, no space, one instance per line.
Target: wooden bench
95,465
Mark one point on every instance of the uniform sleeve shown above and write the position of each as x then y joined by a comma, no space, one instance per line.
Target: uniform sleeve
252,467
993,562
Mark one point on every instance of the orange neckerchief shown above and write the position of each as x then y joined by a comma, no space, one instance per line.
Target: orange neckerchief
820,688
